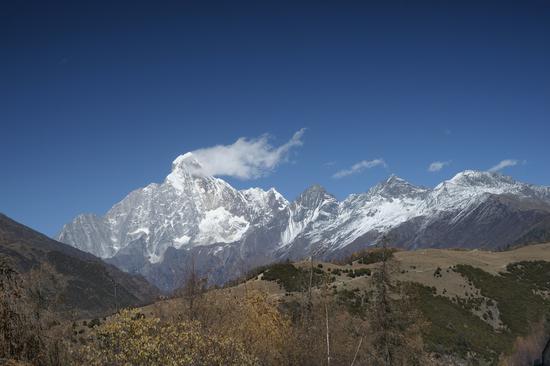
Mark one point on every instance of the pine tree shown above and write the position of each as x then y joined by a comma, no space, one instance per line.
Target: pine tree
395,325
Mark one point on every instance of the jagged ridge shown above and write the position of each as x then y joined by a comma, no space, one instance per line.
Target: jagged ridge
193,214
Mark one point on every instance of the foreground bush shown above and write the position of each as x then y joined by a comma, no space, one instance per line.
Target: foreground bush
252,319
132,339
28,330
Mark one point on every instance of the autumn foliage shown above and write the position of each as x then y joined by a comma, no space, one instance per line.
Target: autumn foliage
133,339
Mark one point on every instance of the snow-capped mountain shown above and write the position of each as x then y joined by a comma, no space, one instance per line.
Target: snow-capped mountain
156,229
186,210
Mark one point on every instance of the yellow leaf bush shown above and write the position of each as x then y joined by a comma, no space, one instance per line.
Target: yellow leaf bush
130,339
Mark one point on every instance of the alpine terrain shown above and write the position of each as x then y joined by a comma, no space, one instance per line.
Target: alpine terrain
157,230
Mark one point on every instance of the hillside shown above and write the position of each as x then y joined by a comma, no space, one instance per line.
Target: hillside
480,307
74,283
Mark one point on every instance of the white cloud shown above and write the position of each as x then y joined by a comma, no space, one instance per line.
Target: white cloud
438,165
504,164
359,167
245,158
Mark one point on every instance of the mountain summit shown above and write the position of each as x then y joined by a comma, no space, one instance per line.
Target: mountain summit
156,229
184,167
396,187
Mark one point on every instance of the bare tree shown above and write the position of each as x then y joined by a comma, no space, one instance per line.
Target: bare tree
357,351
381,312
20,333
310,279
325,299
193,289
307,296
328,334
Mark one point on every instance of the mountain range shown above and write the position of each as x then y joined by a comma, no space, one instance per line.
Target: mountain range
158,230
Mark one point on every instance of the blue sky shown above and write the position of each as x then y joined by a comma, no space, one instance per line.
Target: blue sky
98,101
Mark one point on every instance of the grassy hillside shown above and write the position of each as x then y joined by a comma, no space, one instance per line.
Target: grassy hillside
428,307
476,303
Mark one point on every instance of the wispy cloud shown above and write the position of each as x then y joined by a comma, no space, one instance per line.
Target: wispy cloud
504,164
438,165
246,158
359,167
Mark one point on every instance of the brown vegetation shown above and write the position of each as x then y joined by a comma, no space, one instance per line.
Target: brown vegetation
28,330
130,338
307,313
528,349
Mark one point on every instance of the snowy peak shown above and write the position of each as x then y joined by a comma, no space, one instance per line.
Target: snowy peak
395,187
263,202
314,207
186,161
480,178
185,168
471,183
314,196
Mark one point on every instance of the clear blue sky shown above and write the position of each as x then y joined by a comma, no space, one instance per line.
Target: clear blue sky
97,101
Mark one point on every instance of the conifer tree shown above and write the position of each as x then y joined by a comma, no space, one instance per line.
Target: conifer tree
395,325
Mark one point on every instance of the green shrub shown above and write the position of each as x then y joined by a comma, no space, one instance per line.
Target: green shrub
94,323
519,306
370,256
292,278
455,330
354,301
362,272
359,272
535,274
